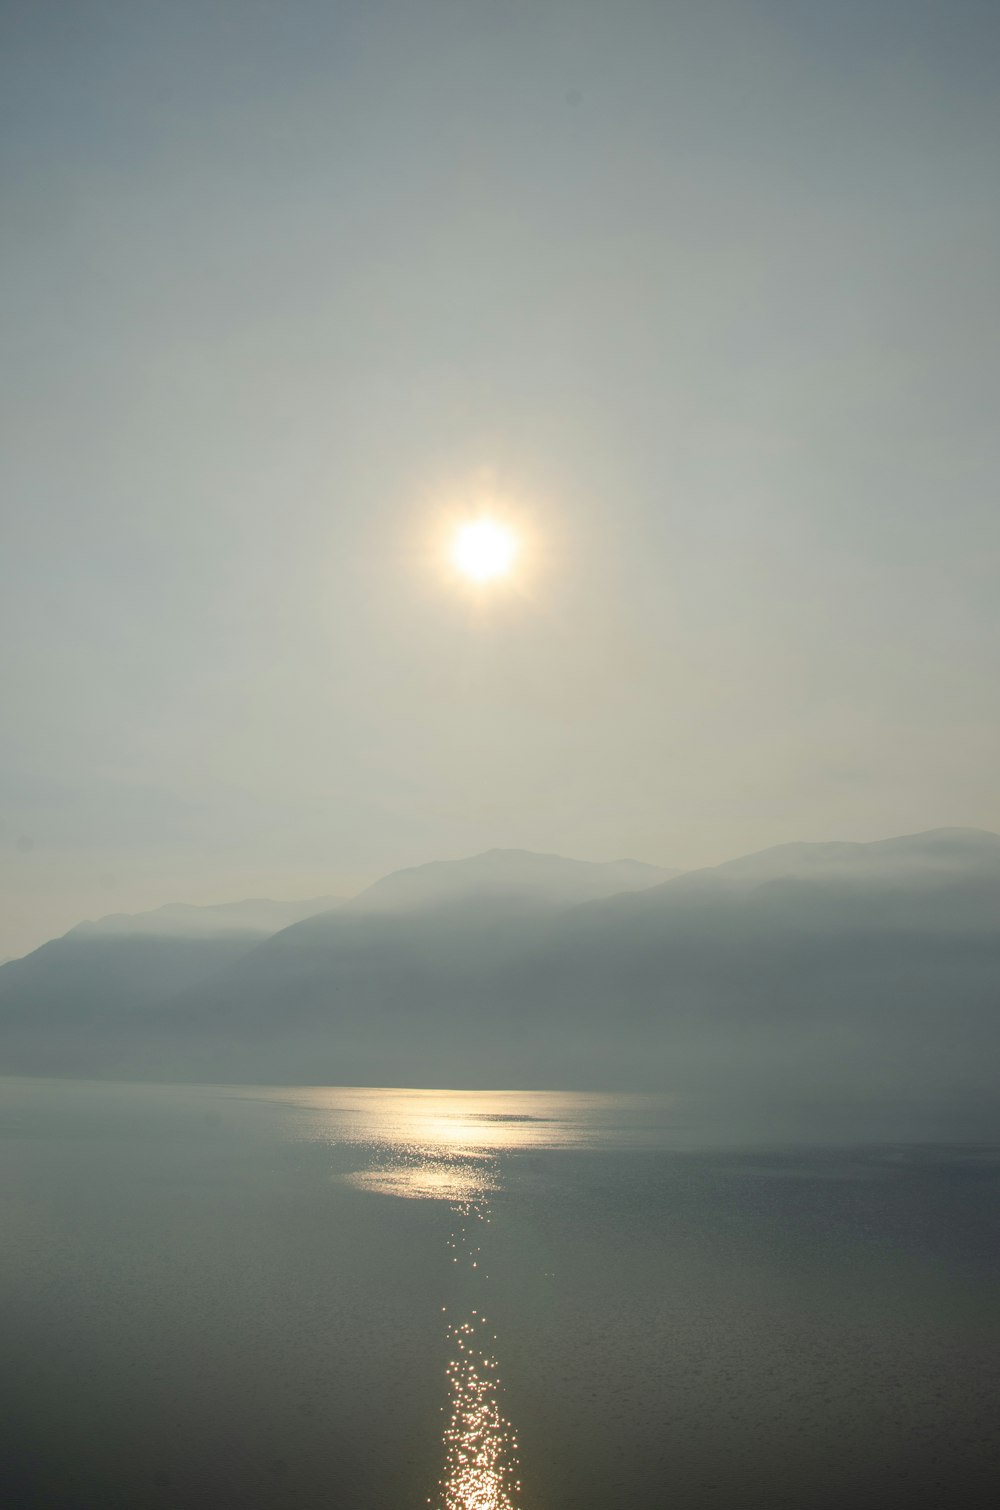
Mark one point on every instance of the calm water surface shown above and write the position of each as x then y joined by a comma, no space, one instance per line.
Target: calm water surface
228,1296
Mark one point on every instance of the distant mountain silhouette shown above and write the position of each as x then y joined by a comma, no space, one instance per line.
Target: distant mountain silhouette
258,917
516,878
868,969
58,1001
411,937
850,970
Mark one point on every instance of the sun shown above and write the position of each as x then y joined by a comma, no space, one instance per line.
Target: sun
483,550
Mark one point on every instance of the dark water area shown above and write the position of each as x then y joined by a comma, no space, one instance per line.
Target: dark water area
379,1300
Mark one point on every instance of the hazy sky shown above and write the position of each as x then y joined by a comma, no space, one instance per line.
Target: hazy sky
706,293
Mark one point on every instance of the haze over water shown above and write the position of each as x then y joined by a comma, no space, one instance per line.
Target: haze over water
499,586
480,1301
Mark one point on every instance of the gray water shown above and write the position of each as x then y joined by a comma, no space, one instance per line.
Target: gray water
223,1296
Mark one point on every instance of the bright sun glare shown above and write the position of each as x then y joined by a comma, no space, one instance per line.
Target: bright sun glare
483,550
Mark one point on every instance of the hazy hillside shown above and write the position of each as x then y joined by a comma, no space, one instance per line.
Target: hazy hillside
865,967
505,877
453,919
414,935
65,996
859,969
850,970
258,916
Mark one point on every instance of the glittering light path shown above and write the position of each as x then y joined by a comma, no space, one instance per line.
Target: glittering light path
480,1447
449,1146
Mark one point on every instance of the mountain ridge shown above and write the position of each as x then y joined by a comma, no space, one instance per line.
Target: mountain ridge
194,919
815,966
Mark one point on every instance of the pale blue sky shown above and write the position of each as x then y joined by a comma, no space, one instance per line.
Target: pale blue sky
709,291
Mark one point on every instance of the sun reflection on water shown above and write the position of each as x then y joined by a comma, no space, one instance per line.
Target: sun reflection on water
479,1442
430,1180
450,1146
453,1123
480,1469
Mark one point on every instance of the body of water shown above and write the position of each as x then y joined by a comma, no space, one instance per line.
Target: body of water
378,1300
